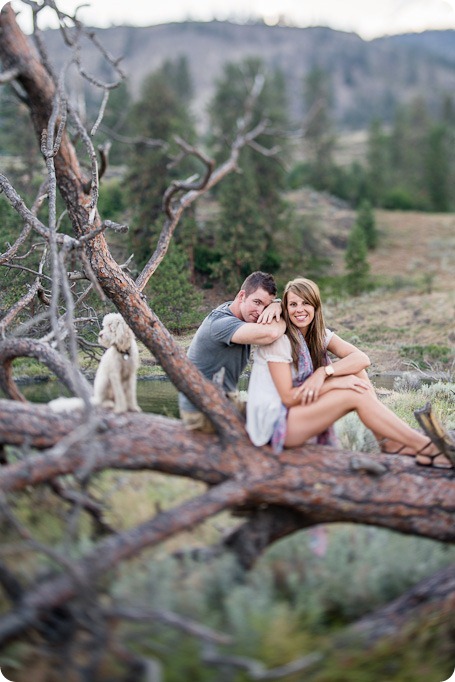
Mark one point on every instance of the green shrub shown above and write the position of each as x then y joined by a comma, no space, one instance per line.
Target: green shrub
399,199
205,258
425,356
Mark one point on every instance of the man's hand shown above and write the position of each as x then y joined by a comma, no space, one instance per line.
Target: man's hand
272,312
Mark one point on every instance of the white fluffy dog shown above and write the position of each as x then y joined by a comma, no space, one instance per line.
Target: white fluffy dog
115,380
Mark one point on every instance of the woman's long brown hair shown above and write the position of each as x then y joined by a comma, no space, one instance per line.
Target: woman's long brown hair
315,335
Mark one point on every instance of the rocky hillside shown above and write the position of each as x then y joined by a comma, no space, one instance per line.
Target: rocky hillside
368,77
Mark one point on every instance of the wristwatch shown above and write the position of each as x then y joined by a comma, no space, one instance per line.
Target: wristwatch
328,369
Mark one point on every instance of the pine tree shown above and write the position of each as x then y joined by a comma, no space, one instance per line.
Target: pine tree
357,266
252,206
159,114
172,294
367,222
18,141
438,168
378,163
117,120
319,138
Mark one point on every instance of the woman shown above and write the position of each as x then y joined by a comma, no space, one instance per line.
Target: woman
296,394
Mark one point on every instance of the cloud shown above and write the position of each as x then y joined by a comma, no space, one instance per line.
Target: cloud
419,15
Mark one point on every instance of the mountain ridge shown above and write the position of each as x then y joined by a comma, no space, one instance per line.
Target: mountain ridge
369,78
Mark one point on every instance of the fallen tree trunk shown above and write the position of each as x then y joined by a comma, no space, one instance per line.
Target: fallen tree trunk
318,482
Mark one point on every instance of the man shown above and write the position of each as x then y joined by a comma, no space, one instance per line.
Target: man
222,344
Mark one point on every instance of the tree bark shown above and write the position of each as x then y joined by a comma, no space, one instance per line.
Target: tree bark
317,482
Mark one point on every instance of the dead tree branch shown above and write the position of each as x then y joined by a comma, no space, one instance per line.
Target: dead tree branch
56,591
10,349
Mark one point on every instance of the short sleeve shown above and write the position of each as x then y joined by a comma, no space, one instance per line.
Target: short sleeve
278,351
223,327
328,337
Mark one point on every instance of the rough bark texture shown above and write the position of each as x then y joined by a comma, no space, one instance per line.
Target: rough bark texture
316,482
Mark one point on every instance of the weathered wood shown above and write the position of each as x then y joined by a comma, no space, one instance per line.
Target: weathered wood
436,431
316,482
279,495
11,349
105,555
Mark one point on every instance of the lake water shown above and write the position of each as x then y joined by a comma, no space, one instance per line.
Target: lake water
155,395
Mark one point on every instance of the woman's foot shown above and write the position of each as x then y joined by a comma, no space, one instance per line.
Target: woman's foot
393,447
429,455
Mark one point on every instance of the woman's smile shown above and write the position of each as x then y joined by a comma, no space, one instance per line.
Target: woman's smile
300,312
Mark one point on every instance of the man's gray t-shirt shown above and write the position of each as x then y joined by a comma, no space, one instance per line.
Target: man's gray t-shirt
211,349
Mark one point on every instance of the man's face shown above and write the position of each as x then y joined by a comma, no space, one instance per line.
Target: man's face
252,306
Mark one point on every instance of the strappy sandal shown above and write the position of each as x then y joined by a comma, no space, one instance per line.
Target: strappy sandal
384,451
447,464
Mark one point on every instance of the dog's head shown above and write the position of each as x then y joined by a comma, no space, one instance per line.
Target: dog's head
115,332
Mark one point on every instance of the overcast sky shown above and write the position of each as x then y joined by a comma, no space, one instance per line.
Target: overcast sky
368,18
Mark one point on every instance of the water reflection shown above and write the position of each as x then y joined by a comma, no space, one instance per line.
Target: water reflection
153,395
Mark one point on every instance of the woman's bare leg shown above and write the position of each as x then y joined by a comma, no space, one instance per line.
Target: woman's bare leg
393,446
306,421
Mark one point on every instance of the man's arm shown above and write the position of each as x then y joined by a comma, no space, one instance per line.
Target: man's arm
258,334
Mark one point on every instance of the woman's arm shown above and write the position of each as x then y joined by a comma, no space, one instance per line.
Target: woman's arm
351,362
296,395
282,378
352,359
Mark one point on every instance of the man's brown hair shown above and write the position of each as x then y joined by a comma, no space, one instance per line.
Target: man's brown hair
259,280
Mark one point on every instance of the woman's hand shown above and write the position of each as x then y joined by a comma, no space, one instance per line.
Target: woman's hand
353,382
310,390
272,312
313,387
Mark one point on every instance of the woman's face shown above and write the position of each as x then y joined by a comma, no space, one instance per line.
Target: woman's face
301,313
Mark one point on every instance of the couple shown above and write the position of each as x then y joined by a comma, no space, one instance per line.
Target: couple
295,393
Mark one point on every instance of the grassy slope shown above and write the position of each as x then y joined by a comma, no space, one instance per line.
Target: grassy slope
415,260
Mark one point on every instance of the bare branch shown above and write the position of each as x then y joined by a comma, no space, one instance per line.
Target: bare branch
137,614
18,307
210,179
9,76
28,216
14,348
12,251
107,553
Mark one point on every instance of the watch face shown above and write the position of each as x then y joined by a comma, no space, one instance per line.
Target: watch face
329,370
